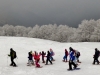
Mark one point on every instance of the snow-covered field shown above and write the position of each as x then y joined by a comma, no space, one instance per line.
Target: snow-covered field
23,45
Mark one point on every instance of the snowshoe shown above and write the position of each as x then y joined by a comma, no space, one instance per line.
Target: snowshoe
69,69
39,67
15,66
76,68
79,62
43,62
46,64
49,64
63,60
53,60
11,65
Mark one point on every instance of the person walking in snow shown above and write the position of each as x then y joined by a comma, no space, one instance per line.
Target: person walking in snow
37,59
77,54
52,54
65,56
96,56
30,58
72,58
48,58
12,55
43,55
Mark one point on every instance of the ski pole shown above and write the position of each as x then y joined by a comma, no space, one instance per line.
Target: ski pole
7,60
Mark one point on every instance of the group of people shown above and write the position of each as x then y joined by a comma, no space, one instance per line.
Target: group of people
73,57
34,58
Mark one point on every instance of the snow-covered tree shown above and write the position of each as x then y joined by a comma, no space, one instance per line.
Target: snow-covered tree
34,32
20,30
85,30
8,30
63,33
96,34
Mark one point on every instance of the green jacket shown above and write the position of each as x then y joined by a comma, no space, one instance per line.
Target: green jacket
11,54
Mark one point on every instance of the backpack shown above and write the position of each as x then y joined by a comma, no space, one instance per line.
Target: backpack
14,54
78,53
53,54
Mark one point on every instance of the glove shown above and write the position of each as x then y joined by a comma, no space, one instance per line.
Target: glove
8,54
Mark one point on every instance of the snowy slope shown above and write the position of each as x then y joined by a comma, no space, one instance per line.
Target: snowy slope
23,45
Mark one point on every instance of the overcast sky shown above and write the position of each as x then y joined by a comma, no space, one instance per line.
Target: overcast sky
31,12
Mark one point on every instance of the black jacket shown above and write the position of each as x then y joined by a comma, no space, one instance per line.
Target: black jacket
96,54
48,55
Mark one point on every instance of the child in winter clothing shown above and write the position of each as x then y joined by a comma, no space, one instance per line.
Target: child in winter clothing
77,53
52,54
30,58
48,58
43,55
37,58
65,56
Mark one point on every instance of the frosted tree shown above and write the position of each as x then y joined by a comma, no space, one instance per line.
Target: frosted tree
28,29
73,35
34,32
8,30
20,30
53,32
85,30
1,32
96,34
63,33
46,31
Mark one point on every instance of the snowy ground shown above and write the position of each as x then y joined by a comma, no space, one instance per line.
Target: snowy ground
23,45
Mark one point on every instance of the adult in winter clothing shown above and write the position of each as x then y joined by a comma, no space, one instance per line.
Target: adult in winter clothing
52,54
72,58
30,58
65,56
43,55
96,56
12,56
48,58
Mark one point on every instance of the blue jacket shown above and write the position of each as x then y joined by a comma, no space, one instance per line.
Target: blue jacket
52,53
72,57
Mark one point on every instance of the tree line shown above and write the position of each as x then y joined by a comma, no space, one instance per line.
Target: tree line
87,31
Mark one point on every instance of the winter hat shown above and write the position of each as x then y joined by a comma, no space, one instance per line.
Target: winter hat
11,49
30,51
96,49
70,48
50,49
65,49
